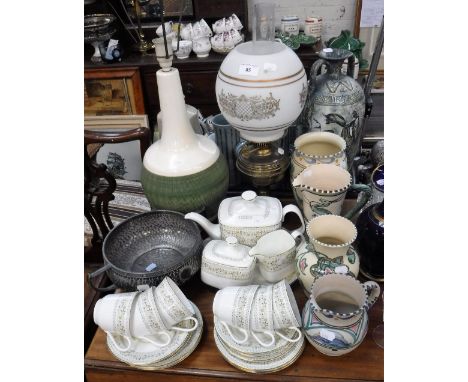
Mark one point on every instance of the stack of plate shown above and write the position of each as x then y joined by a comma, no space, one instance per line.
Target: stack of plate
146,356
254,358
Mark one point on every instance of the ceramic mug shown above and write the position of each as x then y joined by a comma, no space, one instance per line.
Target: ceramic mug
323,187
112,314
202,46
232,305
147,321
167,26
172,305
276,253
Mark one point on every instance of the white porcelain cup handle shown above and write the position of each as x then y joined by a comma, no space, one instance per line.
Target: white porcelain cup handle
111,337
156,343
195,326
272,342
297,211
289,339
295,235
226,326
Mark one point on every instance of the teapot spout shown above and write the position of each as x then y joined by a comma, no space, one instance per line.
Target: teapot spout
214,230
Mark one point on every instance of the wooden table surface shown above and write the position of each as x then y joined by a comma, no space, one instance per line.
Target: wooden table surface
366,363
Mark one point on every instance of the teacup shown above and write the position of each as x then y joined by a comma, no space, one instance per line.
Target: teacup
323,187
186,32
197,30
147,321
202,46
172,304
232,305
217,41
228,41
167,27
205,28
112,314
236,36
229,24
185,47
236,22
285,310
219,26
276,252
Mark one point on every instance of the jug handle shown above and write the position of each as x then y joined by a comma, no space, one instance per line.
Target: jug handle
295,234
360,203
373,291
297,211
351,63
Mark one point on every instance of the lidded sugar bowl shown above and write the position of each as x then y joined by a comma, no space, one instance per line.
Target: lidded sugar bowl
227,263
247,217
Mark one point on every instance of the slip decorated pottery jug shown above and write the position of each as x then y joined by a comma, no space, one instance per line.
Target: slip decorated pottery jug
328,250
335,318
336,102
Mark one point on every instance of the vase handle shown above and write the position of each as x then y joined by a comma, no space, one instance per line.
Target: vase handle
350,68
359,203
373,291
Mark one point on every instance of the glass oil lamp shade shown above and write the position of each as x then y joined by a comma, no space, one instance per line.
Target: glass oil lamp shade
261,86
262,163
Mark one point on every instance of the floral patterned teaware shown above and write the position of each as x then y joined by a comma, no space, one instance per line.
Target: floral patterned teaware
227,263
335,317
247,217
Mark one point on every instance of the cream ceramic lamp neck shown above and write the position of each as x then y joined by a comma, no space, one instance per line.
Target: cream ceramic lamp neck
177,133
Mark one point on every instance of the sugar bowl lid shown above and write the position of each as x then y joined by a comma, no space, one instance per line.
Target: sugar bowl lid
250,210
228,252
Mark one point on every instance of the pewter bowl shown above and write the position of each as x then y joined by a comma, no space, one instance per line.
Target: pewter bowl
147,247
97,22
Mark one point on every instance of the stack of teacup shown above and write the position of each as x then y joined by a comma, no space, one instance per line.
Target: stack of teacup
153,329
257,327
227,34
198,34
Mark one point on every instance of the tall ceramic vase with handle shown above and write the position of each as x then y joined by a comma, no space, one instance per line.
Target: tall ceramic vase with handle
182,171
335,101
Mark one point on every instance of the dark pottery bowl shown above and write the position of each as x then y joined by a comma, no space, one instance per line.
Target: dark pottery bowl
147,247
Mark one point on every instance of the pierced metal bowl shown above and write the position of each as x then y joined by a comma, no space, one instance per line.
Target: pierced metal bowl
147,247
97,22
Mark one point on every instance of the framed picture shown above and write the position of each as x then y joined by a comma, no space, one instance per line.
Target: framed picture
113,91
122,159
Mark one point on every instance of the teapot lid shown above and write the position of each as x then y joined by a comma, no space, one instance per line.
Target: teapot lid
228,252
250,210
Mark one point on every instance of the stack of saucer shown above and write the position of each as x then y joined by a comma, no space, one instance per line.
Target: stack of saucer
257,327
150,330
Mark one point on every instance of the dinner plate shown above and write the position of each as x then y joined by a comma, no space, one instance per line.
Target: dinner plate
144,353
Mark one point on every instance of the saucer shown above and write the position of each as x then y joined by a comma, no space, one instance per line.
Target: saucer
263,366
145,354
252,347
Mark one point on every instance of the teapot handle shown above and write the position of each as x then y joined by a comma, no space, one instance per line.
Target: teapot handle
297,211
373,291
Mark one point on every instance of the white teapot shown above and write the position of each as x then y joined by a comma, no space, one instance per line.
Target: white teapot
247,217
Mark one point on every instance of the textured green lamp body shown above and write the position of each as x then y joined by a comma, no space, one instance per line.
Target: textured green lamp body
199,192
